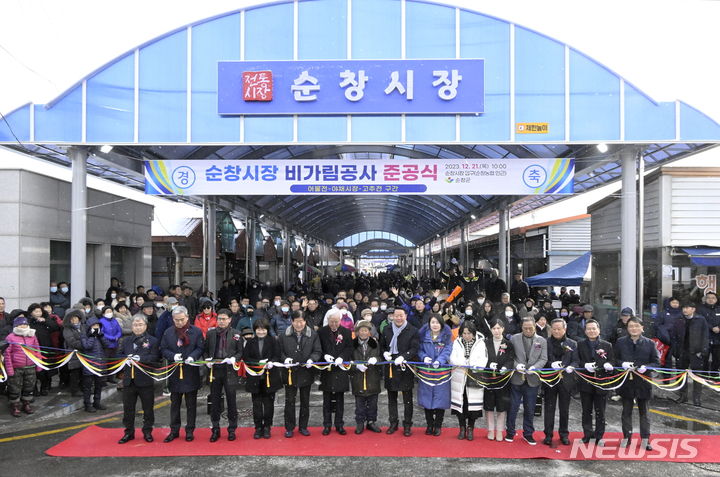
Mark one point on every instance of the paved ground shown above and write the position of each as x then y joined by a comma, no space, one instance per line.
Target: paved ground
23,442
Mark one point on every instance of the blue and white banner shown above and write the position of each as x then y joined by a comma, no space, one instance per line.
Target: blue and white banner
332,176
453,86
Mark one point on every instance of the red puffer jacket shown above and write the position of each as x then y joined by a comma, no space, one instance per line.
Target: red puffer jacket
15,357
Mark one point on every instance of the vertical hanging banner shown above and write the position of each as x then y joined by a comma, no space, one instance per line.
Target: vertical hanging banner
332,176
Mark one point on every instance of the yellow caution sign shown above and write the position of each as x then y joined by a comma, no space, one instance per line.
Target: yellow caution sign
532,128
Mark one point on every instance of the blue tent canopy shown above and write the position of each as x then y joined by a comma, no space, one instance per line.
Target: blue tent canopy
570,274
706,256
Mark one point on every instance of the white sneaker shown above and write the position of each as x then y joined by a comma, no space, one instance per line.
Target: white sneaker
166,393
616,398
491,435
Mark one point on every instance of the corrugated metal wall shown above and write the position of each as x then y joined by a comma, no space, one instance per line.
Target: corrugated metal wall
695,211
568,241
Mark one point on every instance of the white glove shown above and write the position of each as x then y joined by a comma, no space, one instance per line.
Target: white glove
493,366
372,360
269,365
520,367
627,365
532,368
642,369
209,364
503,369
308,363
590,367
329,359
263,361
177,358
569,370
387,355
338,361
427,360
362,368
436,364
135,357
230,360
399,360
608,367
556,365
288,360
190,360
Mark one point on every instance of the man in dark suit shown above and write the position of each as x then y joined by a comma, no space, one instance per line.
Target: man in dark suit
336,343
636,353
223,347
596,356
141,347
400,343
530,354
562,355
182,344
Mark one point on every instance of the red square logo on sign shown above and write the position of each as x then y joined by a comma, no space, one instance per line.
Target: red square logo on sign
257,85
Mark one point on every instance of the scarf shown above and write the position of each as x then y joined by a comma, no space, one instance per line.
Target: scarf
24,331
396,332
182,335
496,344
468,347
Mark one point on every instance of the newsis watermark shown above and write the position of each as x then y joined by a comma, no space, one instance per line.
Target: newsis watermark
662,448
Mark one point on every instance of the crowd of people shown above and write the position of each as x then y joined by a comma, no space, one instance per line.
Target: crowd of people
356,334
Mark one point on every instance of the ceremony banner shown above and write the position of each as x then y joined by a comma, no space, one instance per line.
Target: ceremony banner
333,176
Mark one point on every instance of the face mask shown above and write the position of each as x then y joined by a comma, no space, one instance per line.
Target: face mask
108,315
244,305
113,295
508,314
468,311
76,326
374,309
563,314
99,307
383,307
53,289
277,303
481,300
64,289
250,313
88,310
285,309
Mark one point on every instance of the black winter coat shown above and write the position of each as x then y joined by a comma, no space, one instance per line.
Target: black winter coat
600,355
308,348
566,352
270,352
148,348
43,330
712,316
408,344
191,373
642,352
367,383
698,340
233,348
335,380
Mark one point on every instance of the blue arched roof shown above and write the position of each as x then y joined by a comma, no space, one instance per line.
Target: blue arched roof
165,91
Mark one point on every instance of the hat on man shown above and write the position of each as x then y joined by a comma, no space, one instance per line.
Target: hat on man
172,301
588,308
363,324
148,304
627,311
20,320
366,312
246,331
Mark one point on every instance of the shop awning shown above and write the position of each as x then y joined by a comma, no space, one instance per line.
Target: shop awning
706,256
571,274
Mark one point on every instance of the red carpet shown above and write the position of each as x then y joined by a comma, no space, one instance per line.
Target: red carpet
102,442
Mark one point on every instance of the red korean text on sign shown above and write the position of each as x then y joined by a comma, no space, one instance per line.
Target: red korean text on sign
257,85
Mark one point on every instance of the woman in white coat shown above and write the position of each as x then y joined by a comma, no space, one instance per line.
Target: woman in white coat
466,395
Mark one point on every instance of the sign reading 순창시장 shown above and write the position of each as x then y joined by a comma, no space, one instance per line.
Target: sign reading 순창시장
452,86
333,176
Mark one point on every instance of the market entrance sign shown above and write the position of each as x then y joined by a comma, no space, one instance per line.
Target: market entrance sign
332,176
453,86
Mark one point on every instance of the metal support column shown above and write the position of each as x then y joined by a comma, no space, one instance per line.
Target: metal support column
287,261
503,245
628,230
211,245
251,257
305,259
641,234
463,257
78,224
443,253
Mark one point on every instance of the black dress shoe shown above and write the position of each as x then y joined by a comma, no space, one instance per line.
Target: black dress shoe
407,432
171,437
564,441
437,430
359,428
214,435
341,430
266,433
469,435
127,437
147,435
547,441
189,437
231,435
258,433
462,433
90,409
393,427
288,434
99,406
585,440
326,431
429,430
371,426
648,447
304,431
